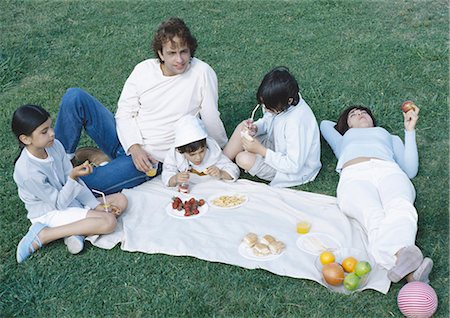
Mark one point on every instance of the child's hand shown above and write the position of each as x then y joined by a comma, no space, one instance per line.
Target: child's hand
410,118
115,210
81,170
182,177
213,171
254,146
109,208
250,127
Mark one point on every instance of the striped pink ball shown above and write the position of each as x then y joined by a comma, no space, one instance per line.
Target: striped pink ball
417,300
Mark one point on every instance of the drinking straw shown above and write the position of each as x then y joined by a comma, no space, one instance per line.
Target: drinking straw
105,205
254,111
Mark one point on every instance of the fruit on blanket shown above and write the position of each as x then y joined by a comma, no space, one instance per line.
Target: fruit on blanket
349,264
351,281
407,106
333,273
362,268
327,257
190,207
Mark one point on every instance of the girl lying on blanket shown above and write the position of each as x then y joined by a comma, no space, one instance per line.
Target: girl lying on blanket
286,145
374,187
195,152
59,204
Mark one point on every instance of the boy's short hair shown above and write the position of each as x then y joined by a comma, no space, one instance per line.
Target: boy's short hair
276,88
193,146
169,29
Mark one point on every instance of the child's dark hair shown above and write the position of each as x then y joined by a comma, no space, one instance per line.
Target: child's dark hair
342,122
192,146
276,88
26,119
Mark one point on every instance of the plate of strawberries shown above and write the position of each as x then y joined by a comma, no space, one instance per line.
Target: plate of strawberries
191,208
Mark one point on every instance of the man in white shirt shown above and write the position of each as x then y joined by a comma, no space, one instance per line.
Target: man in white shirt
157,93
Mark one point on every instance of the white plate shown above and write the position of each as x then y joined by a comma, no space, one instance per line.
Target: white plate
211,199
247,252
316,243
180,214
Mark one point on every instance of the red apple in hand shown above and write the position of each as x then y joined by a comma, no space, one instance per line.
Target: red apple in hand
407,106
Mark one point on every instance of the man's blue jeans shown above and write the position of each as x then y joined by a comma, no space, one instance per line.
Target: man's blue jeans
79,110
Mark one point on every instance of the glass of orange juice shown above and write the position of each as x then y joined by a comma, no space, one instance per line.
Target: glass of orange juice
303,227
153,170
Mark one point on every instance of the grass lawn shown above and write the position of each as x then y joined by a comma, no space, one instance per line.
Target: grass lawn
376,53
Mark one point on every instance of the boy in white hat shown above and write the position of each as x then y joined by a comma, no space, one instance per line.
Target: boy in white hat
194,152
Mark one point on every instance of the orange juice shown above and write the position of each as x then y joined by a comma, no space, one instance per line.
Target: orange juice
303,227
151,172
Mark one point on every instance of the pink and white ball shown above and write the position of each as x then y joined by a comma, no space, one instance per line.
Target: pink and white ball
417,300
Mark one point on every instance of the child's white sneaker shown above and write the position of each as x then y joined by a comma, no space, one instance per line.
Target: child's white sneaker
74,243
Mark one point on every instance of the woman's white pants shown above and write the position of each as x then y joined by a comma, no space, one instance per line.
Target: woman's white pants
380,196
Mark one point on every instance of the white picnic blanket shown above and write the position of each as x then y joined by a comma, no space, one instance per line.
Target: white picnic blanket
148,226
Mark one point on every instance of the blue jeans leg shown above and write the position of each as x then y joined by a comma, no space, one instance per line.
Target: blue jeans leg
118,174
79,110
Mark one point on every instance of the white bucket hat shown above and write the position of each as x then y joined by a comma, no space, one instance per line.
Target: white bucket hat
189,128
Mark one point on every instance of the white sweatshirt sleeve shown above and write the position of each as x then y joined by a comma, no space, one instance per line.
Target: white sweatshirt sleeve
128,108
407,155
209,108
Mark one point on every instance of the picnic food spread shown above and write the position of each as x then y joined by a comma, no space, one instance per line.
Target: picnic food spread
228,201
190,206
266,246
200,173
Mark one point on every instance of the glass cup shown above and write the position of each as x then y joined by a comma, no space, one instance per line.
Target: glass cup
246,133
303,227
153,170
183,187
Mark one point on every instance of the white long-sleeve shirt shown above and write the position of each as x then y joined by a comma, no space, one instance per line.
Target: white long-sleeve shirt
44,185
151,103
296,138
175,162
374,142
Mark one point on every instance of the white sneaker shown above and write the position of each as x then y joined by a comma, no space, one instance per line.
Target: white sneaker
74,243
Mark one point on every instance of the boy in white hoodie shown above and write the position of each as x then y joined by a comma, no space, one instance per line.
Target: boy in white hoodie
193,152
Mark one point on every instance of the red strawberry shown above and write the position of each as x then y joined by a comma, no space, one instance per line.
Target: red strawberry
192,200
175,205
201,202
195,211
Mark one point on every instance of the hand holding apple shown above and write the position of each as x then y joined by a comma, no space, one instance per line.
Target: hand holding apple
410,118
408,105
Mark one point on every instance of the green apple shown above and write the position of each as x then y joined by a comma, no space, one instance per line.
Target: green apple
362,268
351,281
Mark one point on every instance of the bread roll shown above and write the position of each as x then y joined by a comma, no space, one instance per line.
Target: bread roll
250,239
277,247
261,249
268,239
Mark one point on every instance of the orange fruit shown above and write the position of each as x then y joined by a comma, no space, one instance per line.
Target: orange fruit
349,264
327,257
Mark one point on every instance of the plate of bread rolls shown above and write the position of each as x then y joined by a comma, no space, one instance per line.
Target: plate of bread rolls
264,248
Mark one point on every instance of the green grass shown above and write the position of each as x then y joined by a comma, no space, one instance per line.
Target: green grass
377,53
